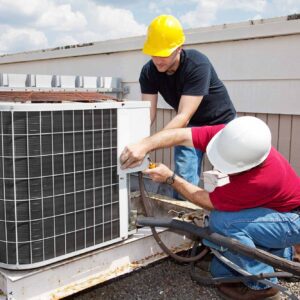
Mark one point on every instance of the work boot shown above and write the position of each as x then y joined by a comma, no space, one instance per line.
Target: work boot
205,262
238,291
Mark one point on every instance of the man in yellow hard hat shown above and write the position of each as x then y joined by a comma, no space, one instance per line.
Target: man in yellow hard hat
188,82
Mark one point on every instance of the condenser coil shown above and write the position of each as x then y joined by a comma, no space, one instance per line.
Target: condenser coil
62,192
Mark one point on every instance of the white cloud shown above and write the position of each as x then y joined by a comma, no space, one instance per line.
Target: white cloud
41,13
245,5
154,8
105,22
208,12
11,38
281,8
203,15
61,18
45,22
28,7
112,23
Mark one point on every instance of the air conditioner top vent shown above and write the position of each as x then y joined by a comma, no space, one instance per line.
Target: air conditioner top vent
12,106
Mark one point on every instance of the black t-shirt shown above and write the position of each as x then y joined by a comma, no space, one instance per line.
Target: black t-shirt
195,76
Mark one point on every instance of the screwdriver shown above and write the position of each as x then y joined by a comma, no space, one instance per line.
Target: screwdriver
152,165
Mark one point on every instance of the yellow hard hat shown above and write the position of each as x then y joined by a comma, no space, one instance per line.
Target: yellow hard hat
165,34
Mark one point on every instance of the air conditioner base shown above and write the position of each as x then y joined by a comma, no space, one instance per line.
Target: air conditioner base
72,275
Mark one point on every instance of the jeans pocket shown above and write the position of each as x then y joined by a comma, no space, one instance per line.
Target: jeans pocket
293,235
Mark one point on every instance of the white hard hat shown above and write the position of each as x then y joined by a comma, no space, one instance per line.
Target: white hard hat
242,144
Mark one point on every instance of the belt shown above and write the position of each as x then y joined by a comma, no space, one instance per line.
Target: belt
296,210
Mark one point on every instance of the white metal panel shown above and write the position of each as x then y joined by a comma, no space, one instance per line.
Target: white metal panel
43,81
266,58
3,80
251,29
123,205
89,82
110,82
133,125
66,81
15,80
261,96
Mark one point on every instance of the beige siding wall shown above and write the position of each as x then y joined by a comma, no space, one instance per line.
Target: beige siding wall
285,136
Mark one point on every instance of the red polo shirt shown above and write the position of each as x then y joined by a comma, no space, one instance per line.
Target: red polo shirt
274,184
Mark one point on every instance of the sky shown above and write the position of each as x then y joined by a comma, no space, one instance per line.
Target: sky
27,25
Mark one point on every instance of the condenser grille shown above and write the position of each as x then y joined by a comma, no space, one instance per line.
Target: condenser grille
59,188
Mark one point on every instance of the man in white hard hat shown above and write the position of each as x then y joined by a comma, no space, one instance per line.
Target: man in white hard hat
259,206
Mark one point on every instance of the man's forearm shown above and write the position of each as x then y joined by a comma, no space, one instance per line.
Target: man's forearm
179,121
133,155
188,105
193,193
168,138
152,98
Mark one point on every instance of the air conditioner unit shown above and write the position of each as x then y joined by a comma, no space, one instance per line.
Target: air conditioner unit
62,192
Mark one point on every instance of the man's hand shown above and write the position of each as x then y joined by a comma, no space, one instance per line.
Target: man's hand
132,156
160,173
191,192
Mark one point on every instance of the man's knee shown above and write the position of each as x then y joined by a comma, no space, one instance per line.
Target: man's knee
220,221
216,221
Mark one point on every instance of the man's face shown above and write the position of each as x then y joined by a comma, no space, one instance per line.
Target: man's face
167,64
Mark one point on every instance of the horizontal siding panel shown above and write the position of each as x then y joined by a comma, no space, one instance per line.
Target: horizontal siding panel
255,59
252,96
265,96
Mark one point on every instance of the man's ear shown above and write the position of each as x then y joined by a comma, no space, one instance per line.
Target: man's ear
179,49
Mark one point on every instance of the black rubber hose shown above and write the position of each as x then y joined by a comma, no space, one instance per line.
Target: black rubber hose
232,244
156,236
206,280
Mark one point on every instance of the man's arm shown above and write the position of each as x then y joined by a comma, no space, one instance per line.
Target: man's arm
153,99
133,155
186,109
191,192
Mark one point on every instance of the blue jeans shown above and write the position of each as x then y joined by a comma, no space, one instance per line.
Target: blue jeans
268,229
187,165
